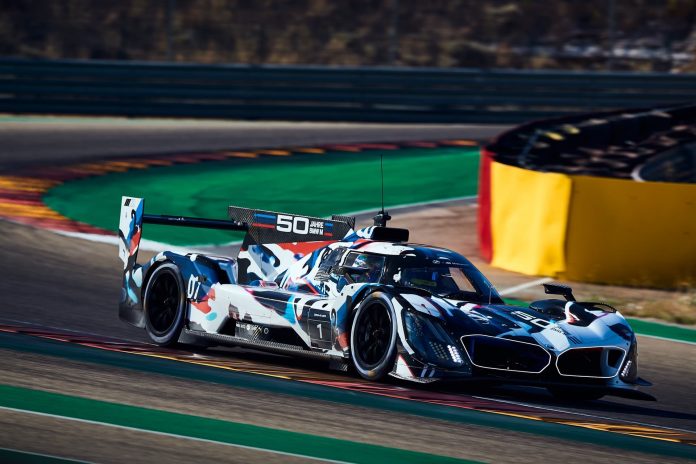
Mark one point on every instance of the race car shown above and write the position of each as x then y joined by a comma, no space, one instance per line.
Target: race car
370,301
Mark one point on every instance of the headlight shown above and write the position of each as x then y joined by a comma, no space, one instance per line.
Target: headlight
427,337
629,370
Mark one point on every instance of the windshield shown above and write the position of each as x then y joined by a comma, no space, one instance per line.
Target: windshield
439,280
444,275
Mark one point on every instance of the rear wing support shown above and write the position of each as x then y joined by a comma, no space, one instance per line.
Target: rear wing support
202,223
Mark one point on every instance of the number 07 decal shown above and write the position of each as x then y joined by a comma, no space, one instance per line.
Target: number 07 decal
192,288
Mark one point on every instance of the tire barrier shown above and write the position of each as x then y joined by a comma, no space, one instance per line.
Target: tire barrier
564,198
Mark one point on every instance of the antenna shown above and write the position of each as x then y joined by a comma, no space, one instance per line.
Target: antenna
382,216
381,170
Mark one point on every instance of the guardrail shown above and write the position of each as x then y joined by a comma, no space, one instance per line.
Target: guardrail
325,93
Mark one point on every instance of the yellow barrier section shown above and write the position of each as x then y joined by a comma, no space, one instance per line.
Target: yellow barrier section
631,233
593,229
529,212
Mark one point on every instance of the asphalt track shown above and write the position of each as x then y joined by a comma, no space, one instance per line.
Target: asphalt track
27,141
64,283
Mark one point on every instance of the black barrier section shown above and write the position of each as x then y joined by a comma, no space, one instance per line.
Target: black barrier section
315,93
642,144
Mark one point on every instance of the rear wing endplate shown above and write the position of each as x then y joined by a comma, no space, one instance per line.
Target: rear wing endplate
131,222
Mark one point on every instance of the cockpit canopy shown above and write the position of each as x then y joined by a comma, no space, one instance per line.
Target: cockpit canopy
437,271
442,273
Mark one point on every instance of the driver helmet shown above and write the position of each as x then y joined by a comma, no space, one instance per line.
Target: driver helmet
365,261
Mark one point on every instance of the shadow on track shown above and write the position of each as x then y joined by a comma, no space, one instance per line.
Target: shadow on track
532,396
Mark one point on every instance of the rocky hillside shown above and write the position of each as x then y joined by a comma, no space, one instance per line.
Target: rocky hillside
647,34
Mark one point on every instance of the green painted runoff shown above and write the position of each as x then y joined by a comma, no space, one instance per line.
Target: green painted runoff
28,344
668,331
316,185
221,431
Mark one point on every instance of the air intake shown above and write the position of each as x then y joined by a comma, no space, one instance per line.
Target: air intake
502,354
597,362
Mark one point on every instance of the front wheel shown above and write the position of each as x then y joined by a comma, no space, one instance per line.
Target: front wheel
373,337
164,303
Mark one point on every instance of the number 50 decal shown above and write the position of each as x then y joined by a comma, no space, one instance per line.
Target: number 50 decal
296,224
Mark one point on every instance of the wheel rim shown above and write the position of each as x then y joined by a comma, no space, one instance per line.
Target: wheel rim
373,335
163,303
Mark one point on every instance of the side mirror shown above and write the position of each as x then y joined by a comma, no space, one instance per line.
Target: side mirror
559,289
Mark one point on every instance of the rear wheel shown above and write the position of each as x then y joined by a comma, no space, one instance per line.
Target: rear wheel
575,394
373,337
164,303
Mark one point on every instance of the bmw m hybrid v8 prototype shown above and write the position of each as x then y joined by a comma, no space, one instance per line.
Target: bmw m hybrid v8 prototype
369,300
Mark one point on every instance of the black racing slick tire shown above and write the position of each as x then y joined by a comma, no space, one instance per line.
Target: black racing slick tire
373,337
575,394
164,303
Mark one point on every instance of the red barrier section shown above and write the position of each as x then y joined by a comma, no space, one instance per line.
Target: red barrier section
484,206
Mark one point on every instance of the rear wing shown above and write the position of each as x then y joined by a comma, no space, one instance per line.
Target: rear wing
272,227
267,233
275,241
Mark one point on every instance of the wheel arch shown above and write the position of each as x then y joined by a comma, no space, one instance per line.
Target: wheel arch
383,297
147,274
169,335
186,267
358,298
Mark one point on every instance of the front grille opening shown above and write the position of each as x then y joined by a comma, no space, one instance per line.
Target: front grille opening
507,355
614,357
581,362
590,362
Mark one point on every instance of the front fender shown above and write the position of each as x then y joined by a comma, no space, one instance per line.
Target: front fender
427,348
349,298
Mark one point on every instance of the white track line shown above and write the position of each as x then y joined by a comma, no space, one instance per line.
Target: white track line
396,208
49,456
39,326
150,245
686,342
145,244
524,286
174,435
593,416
